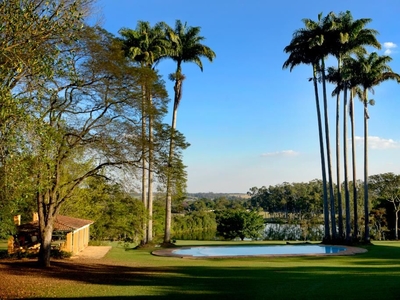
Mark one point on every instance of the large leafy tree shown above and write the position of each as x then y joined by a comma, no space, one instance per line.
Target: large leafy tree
31,37
83,117
186,47
386,187
116,214
371,71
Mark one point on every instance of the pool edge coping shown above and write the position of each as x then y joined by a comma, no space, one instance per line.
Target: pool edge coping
168,252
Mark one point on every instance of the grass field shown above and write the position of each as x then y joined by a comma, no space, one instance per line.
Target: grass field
137,274
3,245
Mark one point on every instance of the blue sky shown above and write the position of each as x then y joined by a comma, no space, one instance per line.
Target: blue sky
249,122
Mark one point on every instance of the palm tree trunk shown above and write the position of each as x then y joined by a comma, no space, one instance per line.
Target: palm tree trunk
144,165
366,209
328,152
327,236
150,178
168,202
345,157
354,165
338,180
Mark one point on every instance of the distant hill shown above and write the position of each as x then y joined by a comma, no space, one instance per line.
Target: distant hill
210,195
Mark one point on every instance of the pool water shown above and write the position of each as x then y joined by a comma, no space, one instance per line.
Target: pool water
259,250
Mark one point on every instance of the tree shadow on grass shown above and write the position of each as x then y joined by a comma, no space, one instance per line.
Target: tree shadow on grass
367,277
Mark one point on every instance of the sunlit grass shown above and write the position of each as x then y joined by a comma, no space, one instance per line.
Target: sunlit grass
3,245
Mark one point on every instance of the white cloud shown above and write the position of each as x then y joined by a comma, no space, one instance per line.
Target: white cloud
281,153
389,46
375,142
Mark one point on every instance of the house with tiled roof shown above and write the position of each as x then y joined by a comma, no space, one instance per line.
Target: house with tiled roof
69,234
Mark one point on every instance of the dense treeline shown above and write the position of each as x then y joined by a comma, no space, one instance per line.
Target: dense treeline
300,203
295,208
211,195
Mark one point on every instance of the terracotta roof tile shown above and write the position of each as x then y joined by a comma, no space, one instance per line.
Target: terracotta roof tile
62,223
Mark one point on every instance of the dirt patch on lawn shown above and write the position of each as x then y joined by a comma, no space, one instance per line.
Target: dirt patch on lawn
92,252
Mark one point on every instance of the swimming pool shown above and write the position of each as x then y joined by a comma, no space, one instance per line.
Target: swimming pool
259,250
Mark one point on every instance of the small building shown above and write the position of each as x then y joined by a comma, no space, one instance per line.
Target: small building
69,234
75,231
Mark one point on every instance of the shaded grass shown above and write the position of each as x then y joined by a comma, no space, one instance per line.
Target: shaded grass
137,274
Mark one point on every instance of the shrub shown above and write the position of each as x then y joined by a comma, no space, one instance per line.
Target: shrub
59,254
239,224
4,254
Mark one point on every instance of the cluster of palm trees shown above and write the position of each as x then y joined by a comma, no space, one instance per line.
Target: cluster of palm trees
356,74
146,46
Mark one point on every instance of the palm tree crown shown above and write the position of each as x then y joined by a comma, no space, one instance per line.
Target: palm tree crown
371,70
187,46
146,45
349,35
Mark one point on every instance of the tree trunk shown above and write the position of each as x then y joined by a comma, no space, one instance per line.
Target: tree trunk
328,153
168,202
366,209
345,158
327,235
150,179
338,169
46,219
144,165
354,165
45,245
396,226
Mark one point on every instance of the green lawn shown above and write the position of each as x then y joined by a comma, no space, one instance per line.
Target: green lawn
3,245
138,274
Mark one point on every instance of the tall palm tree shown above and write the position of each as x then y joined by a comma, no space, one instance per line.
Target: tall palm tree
345,80
320,30
353,89
186,47
353,81
350,83
335,76
146,45
348,36
301,50
349,88
372,70
354,165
